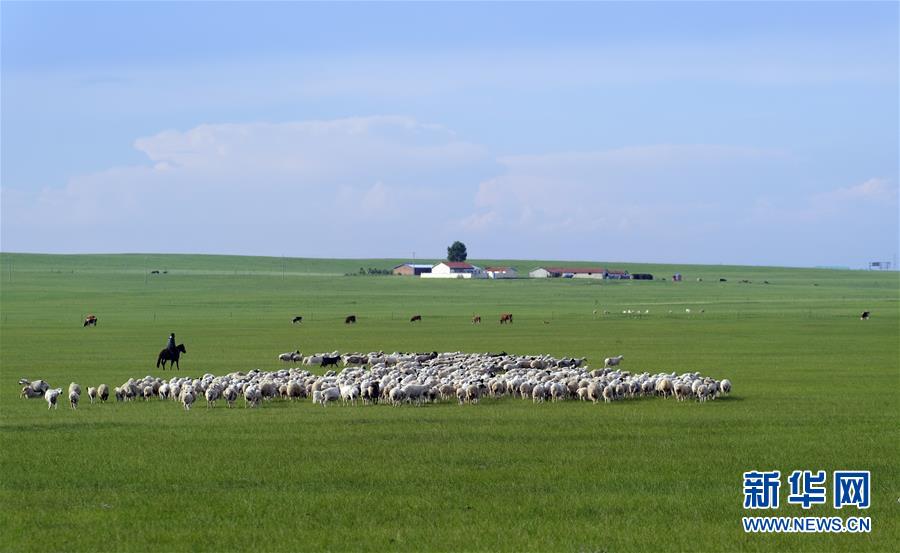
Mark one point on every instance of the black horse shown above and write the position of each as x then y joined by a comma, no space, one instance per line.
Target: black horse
170,357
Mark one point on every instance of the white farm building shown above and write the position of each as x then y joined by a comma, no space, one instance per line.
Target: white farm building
577,272
501,272
455,269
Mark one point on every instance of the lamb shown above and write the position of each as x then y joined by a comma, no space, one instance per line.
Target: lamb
73,398
103,392
74,388
613,361
51,396
30,393
92,394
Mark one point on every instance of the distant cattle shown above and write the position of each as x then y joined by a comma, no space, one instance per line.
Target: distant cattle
297,319
506,318
90,320
154,272
350,319
415,318
864,316
476,320
326,360
723,280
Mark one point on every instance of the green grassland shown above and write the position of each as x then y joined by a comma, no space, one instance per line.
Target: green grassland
814,388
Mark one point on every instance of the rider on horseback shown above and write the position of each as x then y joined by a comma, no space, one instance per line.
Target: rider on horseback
171,344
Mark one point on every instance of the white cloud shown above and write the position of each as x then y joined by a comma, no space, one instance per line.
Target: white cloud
386,186
619,190
872,190
251,188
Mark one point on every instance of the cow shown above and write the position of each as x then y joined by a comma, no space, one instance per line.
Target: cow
864,316
506,318
723,280
476,320
154,272
350,319
415,318
297,319
90,320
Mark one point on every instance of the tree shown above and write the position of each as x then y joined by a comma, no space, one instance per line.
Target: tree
457,252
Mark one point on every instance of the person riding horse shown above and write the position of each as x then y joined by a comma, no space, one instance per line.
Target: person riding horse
170,354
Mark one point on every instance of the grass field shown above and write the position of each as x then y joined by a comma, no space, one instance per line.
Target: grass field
814,388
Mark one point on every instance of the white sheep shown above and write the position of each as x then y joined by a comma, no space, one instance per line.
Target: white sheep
725,386
330,394
252,396
613,361
103,392
73,398
212,394
230,395
51,396
609,393
187,398
92,394
291,356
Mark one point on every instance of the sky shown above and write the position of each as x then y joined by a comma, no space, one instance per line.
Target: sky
737,133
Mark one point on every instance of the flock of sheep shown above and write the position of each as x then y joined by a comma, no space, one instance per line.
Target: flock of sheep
415,379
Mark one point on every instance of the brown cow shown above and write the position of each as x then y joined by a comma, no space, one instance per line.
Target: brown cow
476,320
415,318
506,318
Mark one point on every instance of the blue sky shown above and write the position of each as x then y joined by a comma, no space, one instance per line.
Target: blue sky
749,133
